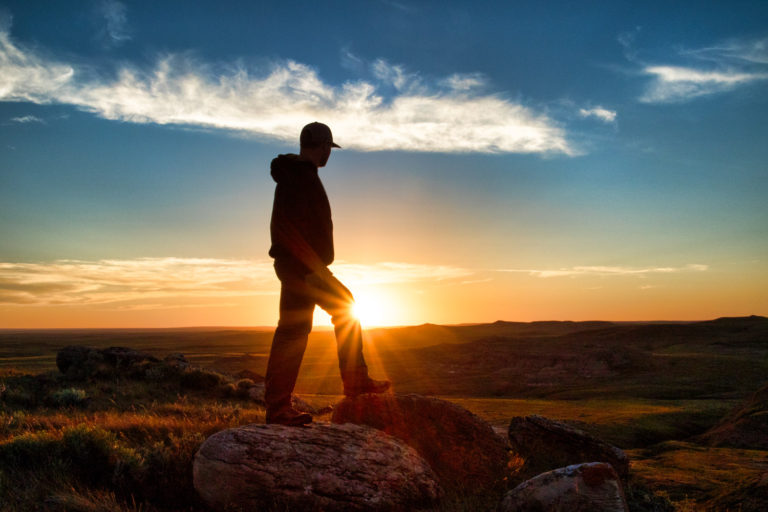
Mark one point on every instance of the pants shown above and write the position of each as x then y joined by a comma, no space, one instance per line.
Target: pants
298,297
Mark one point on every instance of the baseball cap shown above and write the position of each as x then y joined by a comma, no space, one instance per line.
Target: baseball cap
316,133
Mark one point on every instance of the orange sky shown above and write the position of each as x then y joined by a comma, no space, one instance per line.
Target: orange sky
176,292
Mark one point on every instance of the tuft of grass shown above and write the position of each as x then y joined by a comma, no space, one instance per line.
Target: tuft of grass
92,500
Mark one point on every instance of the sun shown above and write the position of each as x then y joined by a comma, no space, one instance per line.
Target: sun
373,308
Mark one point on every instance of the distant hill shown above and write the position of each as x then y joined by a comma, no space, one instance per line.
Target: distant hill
726,357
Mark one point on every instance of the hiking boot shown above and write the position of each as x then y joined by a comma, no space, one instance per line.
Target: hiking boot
365,385
289,416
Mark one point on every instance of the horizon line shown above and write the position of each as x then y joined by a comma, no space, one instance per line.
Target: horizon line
328,328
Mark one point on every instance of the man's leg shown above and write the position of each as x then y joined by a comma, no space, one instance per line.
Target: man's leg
331,295
288,346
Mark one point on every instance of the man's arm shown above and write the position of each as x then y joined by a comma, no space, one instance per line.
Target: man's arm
290,225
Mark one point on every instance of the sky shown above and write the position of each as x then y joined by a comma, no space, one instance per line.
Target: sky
512,161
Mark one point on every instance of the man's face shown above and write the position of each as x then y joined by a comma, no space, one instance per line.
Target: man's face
325,155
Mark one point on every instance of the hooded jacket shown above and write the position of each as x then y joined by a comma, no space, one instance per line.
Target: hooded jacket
301,226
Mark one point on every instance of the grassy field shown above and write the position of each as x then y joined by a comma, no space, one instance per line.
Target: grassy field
129,445
126,444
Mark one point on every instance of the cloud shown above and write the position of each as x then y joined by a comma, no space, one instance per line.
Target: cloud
394,75
275,103
676,84
115,30
464,81
755,52
158,283
605,115
627,42
27,119
350,61
75,282
608,271
729,66
397,273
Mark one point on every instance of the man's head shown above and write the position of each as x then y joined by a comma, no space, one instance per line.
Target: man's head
316,142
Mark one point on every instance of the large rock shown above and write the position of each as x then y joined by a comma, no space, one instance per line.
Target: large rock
745,427
463,449
83,362
320,467
547,444
591,487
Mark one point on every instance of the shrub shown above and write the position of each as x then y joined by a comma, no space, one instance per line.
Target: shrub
28,450
245,384
97,456
201,379
166,473
229,390
68,397
19,398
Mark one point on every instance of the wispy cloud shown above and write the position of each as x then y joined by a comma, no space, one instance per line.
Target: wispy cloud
276,103
158,283
75,282
397,273
727,67
607,271
115,30
395,76
464,81
627,42
27,119
603,114
676,84
746,51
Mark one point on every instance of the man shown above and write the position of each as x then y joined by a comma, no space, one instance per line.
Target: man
302,246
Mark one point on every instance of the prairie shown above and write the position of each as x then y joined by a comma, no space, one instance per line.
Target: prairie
126,444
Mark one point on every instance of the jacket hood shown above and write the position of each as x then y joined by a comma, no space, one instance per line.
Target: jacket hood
289,167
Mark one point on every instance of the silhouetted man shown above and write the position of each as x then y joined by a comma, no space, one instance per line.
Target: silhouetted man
302,246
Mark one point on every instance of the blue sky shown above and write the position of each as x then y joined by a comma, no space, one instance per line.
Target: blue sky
505,160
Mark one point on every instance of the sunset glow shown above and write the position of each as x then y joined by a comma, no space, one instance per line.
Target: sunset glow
497,164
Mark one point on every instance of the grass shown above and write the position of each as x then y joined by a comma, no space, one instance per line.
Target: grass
130,445
625,423
698,475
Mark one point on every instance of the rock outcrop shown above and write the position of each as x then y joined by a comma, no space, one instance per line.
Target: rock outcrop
547,444
321,467
590,487
83,362
744,427
463,449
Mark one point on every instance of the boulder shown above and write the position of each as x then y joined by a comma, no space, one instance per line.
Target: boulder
463,449
547,444
590,487
177,361
83,362
319,467
123,357
249,374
